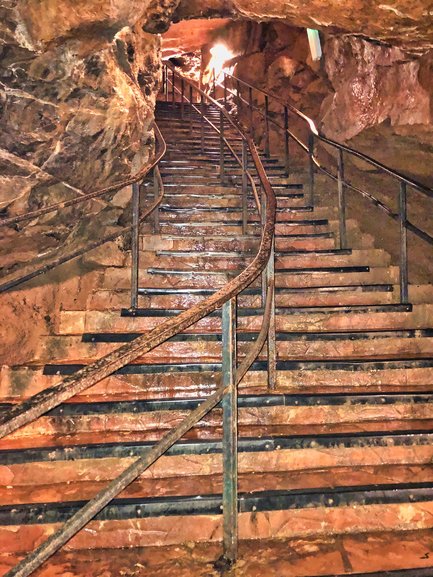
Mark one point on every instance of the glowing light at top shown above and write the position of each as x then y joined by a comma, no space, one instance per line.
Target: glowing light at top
220,55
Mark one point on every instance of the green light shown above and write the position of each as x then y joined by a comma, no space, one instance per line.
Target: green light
315,46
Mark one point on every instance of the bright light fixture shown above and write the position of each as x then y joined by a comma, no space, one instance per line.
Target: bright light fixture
220,55
315,46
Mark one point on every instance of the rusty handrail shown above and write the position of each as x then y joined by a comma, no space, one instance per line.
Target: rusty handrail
218,131
84,196
39,404
42,402
80,519
18,277
368,159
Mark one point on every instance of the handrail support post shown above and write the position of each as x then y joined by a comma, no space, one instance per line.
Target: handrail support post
222,148
230,433
173,98
250,101
156,195
202,124
341,201
244,187
267,136
271,341
182,96
135,249
404,280
286,141
311,169
190,109
225,89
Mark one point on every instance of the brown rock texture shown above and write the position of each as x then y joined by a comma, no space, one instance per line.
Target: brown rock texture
78,82
405,23
372,83
72,104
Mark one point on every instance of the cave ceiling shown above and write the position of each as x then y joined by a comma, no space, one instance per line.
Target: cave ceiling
406,23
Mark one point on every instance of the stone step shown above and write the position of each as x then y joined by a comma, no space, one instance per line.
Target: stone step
236,261
207,348
119,278
196,200
18,383
233,243
263,515
382,317
52,474
104,299
259,416
312,555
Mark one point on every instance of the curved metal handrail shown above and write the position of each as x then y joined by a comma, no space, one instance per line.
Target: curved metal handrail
42,402
314,136
217,130
18,277
88,376
85,196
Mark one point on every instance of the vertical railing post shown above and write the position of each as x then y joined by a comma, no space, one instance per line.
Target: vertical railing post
164,71
182,95
311,169
135,249
268,284
155,195
166,83
225,89
214,84
250,102
173,99
222,148
263,222
341,201
286,141
230,433
202,123
267,137
190,109
238,93
244,187
271,342
404,277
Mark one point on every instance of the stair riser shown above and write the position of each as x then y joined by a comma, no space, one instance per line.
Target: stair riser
252,422
18,384
120,279
107,300
72,349
160,531
232,244
186,475
223,201
79,323
220,263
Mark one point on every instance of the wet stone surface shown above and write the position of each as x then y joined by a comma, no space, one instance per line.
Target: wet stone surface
296,557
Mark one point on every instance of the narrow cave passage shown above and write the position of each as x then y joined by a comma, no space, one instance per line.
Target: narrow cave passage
216,289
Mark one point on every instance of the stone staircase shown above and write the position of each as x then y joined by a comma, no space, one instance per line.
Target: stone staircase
341,449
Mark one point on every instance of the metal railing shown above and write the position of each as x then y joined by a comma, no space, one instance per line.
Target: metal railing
24,274
233,85
232,373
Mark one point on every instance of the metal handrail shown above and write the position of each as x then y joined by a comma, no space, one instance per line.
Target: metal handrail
368,159
18,277
42,402
343,183
9,221
80,519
